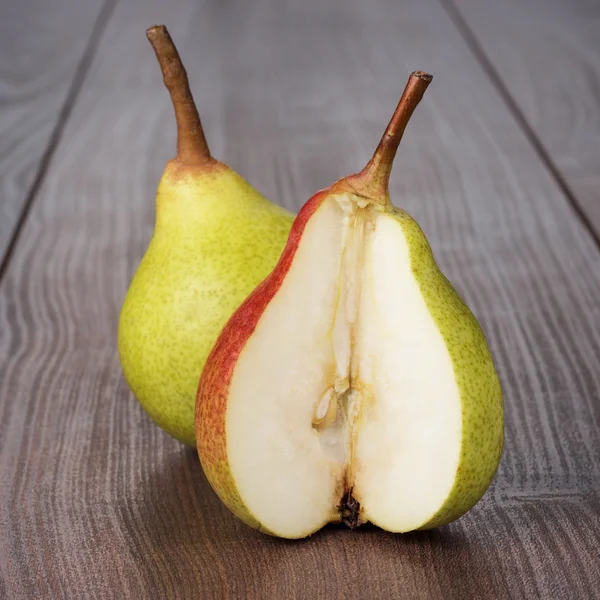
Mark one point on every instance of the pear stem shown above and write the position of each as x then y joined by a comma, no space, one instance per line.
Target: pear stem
192,147
376,174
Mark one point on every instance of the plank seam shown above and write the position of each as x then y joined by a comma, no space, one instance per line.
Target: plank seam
66,110
484,60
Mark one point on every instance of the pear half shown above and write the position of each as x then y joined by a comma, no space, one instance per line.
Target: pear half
353,384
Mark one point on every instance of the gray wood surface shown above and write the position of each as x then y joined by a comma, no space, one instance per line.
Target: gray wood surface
96,502
43,56
547,54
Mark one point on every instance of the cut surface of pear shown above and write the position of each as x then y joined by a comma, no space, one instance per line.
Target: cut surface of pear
353,384
215,239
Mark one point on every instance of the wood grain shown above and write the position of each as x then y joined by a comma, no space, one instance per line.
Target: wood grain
547,54
96,502
40,60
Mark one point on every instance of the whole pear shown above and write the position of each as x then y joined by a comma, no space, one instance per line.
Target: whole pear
215,239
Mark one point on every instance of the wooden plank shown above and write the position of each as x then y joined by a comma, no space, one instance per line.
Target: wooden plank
547,54
40,52
97,502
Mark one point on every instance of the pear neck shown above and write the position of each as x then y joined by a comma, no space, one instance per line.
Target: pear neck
373,181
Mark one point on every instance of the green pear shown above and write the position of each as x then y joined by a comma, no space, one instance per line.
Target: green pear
215,239
353,384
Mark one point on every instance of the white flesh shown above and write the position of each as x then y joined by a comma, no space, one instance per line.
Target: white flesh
348,312
408,444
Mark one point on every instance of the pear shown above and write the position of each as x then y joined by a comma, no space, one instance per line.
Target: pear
353,384
215,239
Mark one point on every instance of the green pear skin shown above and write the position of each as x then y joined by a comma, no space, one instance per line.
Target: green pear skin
216,239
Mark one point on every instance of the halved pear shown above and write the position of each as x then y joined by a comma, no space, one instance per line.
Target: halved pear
353,384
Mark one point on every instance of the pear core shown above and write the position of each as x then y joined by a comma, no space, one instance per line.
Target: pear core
344,399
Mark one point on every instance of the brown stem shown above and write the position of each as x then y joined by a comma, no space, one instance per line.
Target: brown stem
373,180
192,148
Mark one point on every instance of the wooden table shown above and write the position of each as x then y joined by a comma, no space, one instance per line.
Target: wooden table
501,167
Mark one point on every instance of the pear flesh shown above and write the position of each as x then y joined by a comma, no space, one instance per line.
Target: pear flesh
353,384
351,324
